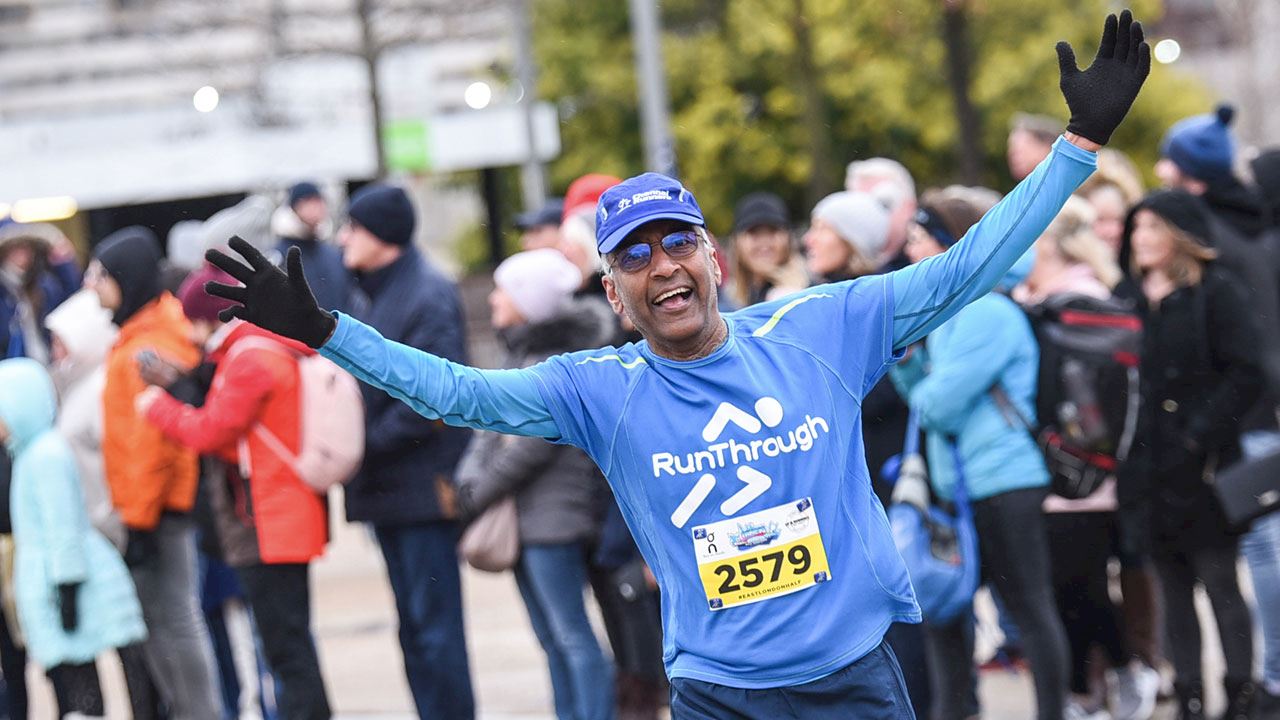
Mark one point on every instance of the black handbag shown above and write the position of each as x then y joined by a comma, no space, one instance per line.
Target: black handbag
1249,489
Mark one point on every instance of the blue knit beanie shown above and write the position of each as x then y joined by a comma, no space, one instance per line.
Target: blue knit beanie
301,191
384,211
1201,146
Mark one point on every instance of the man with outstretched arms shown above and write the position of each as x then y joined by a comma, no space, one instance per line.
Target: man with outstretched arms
733,442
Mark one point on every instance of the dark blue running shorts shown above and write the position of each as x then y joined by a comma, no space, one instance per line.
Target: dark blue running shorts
869,689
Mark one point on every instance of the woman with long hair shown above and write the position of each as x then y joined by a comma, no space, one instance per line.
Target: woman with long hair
1072,261
765,262
1200,373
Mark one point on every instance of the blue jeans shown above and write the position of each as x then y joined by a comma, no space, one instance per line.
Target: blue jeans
870,689
422,564
551,580
1261,550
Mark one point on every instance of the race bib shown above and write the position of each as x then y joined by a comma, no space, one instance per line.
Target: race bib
760,556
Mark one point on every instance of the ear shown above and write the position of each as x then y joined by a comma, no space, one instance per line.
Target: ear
716,273
611,292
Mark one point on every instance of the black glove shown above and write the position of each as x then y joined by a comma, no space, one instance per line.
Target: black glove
67,605
1100,96
270,298
140,548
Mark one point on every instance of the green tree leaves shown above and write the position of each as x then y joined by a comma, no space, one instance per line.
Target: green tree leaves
782,94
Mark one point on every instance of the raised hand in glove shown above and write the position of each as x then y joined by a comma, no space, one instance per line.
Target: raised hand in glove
67,605
1100,96
271,298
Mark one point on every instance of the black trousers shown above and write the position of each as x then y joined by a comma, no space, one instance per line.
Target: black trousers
13,663
280,598
1014,546
1081,545
1215,568
77,689
143,697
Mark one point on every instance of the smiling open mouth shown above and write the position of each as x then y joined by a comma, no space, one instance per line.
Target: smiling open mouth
675,296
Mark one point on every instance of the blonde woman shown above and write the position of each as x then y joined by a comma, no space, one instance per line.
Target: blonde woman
765,264
1070,258
1200,374
1112,190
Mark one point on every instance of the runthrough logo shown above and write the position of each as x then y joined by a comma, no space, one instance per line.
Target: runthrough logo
736,454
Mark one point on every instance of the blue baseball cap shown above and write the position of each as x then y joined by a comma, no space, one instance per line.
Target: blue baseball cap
638,200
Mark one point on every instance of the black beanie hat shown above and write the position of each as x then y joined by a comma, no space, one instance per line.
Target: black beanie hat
132,258
301,191
385,211
760,208
1179,208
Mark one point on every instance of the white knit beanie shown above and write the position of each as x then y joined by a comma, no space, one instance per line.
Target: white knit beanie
858,218
539,282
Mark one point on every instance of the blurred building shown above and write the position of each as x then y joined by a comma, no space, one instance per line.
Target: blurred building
1230,45
190,104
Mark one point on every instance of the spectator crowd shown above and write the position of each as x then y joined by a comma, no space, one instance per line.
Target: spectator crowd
168,464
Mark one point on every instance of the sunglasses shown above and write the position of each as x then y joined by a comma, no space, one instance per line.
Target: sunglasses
634,258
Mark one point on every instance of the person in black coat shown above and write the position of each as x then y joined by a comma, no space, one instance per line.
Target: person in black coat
405,486
301,222
1200,372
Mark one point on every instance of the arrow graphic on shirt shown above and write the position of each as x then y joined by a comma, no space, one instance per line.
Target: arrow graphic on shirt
691,501
726,414
757,482
768,413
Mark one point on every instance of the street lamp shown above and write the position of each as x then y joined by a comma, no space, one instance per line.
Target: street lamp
1167,50
206,99
477,95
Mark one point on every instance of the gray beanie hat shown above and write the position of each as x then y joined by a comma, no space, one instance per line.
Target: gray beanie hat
858,218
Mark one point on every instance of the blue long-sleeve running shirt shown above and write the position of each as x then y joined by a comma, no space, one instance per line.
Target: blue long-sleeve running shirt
742,474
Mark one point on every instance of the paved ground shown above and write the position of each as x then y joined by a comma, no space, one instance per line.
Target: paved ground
355,625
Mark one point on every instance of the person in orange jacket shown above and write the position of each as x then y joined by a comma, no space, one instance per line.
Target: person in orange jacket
153,479
256,384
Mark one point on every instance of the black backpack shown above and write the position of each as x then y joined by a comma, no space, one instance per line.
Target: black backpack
1088,396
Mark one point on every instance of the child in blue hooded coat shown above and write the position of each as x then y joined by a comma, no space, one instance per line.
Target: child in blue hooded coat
75,598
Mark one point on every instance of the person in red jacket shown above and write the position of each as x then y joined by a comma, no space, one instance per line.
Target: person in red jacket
271,524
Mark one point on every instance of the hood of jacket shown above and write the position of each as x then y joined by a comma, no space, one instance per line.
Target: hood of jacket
1188,212
28,403
132,258
40,236
581,324
85,329
1240,206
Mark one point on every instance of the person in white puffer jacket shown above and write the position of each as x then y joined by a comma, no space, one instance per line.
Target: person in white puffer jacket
82,334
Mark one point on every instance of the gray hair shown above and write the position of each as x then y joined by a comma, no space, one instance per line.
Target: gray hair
902,186
1041,127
